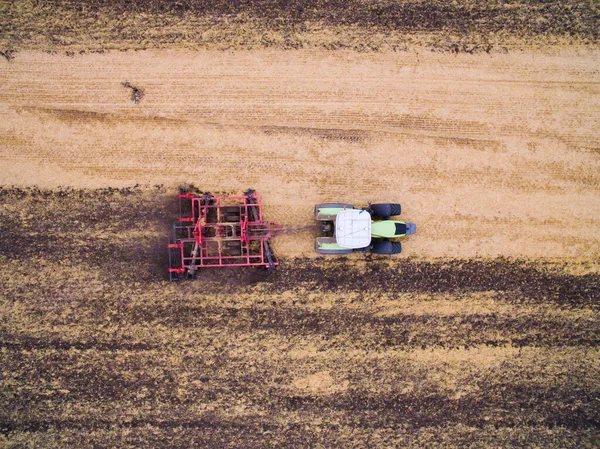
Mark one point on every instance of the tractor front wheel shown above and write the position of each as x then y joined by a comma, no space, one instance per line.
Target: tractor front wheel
386,247
385,210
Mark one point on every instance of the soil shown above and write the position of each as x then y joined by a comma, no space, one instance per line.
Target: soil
484,332
489,154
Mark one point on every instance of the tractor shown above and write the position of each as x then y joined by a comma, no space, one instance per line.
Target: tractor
344,229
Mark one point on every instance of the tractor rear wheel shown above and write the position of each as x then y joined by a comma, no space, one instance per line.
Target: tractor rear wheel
386,247
385,210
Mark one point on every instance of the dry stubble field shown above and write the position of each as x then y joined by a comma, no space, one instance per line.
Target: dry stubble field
491,155
484,333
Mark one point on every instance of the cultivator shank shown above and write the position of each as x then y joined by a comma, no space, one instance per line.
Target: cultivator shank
220,231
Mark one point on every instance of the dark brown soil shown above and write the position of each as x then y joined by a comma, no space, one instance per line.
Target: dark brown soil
97,349
459,26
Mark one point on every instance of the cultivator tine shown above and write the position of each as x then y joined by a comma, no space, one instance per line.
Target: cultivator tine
253,210
269,256
192,269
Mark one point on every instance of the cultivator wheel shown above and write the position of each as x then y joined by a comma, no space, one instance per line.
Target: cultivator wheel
219,231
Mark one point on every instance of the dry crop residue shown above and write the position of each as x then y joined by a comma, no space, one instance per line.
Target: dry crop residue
490,155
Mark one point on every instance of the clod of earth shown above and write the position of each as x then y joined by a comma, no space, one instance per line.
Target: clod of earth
136,93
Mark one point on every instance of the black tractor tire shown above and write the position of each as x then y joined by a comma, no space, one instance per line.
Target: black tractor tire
385,210
386,247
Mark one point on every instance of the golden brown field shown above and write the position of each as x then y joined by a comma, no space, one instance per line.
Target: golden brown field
490,155
479,117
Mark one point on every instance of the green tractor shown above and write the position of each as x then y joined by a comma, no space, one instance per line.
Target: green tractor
345,229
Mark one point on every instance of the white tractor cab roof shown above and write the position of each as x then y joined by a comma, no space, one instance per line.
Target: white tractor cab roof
353,228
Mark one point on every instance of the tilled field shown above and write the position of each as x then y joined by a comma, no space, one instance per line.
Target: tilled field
472,26
479,116
99,350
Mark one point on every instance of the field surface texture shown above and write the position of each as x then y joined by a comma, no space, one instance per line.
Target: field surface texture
99,350
490,155
479,117
471,26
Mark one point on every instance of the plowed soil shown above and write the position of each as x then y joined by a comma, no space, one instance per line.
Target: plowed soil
99,350
483,333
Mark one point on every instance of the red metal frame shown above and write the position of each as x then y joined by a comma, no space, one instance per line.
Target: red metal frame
220,231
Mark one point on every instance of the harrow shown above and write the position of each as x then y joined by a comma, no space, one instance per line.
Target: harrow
220,231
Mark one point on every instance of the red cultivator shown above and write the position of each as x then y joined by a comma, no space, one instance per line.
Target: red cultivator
219,231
